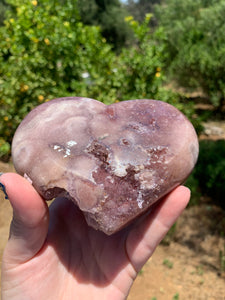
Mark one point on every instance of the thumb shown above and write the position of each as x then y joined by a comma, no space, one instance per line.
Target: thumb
30,220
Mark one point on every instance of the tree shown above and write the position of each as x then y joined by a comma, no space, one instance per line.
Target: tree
88,10
138,9
195,43
109,15
3,8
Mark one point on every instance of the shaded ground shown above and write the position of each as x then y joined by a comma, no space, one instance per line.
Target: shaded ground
187,265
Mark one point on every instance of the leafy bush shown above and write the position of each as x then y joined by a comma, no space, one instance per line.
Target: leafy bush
141,65
194,37
209,172
3,8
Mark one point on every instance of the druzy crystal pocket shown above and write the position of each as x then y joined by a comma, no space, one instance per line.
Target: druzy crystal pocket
112,161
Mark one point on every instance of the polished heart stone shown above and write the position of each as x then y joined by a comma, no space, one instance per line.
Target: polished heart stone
113,161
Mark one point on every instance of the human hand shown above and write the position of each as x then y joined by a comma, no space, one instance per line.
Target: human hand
53,254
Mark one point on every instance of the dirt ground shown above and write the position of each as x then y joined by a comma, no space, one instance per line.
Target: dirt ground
187,264
190,266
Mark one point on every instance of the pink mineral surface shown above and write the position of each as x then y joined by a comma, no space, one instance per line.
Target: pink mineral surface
113,161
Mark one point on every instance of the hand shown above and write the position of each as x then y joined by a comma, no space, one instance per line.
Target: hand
52,253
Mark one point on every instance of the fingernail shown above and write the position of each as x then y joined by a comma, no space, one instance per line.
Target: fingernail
2,188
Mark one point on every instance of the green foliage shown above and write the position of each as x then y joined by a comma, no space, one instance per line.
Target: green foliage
195,41
4,149
141,272
3,8
200,270
168,263
141,65
88,10
176,297
210,170
109,16
138,9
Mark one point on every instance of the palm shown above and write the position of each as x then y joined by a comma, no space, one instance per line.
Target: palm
74,261
87,257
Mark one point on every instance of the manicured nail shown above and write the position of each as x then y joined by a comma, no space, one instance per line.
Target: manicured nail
2,188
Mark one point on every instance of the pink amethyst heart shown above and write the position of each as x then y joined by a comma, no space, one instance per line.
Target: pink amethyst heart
113,161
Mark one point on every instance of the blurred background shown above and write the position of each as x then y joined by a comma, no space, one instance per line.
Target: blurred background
112,51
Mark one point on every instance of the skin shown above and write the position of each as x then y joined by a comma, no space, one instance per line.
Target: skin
52,254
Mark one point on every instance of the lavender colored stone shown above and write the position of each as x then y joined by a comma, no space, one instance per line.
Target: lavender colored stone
113,161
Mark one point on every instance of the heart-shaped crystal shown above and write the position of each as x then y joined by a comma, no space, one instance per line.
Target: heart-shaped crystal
113,161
